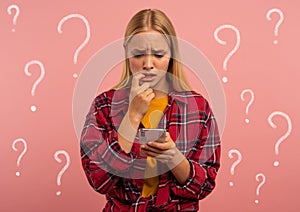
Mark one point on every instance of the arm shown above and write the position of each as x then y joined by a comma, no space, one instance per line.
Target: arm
204,160
181,170
127,130
139,98
103,159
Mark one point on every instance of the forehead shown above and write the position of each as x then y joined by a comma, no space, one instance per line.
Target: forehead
148,40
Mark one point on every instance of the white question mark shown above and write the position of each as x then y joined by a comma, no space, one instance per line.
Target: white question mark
22,153
281,139
260,184
250,102
33,108
279,22
9,11
230,155
67,156
88,34
238,41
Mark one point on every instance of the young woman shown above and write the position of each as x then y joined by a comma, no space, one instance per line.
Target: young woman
176,170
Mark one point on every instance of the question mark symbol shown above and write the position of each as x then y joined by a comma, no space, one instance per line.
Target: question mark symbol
230,155
281,139
88,34
250,102
9,11
22,153
33,108
260,184
238,41
279,22
67,156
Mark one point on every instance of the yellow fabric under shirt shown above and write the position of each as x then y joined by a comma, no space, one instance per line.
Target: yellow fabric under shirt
151,120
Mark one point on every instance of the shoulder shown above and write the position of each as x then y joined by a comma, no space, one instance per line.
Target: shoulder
104,97
112,96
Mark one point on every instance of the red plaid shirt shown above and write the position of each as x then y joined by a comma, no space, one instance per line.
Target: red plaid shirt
119,175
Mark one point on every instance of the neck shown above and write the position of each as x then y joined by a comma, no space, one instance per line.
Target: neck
159,94
161,90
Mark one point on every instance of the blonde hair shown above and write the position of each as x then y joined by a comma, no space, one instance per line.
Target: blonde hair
153,19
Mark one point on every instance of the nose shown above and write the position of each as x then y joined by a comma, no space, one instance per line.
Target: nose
148,62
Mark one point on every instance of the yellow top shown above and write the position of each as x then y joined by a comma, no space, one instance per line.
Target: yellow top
151,120
155,112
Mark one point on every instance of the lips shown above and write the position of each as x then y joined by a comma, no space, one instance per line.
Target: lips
148,77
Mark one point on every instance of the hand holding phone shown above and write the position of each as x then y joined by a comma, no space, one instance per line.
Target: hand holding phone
150,134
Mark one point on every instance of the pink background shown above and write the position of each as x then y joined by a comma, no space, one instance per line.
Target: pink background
271,71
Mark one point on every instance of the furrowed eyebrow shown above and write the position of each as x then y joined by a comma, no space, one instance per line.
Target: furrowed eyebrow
140,50
153,50
159,51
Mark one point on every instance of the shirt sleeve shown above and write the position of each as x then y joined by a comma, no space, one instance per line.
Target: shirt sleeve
103,160
204,160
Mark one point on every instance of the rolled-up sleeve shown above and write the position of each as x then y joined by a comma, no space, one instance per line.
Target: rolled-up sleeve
204,160
103,159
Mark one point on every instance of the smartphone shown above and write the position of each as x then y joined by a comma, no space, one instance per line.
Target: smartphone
150,134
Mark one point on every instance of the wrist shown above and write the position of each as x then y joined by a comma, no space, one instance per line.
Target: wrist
176,160
135,118
127,129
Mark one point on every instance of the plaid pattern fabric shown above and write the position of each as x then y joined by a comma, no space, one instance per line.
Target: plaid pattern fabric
119,175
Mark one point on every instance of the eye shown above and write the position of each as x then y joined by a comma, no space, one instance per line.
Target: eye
159,54
137,55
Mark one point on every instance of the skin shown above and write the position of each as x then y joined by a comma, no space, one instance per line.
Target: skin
149,57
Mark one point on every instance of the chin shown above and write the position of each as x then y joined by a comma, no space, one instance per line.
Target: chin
159,86
154,84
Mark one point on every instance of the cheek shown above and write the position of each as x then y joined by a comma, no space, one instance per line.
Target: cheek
134,65
164,64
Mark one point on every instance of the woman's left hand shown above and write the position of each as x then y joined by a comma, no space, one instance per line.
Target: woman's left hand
163,150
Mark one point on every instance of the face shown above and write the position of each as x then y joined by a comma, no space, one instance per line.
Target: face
149,55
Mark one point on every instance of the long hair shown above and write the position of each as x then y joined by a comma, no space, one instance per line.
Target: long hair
153,19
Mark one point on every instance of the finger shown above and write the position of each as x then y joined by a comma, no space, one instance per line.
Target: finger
162,146
143,153
162,139
150,97
148,91
144,86
168,137
165,137
157,155
152,149
162,158
136,79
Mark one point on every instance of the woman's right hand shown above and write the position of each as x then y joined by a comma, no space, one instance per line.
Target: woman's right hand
140,97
